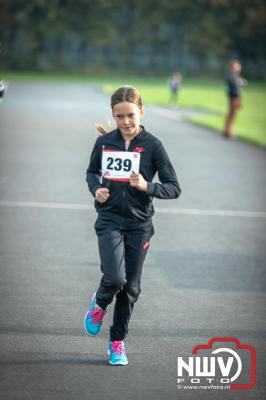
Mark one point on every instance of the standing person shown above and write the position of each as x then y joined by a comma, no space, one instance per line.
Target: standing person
122,166
174,84
234,82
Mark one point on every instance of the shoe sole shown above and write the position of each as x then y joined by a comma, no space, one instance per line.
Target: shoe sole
118,363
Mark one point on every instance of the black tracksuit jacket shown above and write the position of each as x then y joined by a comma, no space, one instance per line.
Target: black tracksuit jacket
128,207
233,87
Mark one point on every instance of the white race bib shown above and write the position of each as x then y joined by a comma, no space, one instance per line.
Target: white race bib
118,165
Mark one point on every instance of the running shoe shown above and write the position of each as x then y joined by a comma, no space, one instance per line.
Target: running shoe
117,353
94,318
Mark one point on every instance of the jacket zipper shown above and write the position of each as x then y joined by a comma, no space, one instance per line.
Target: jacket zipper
124,192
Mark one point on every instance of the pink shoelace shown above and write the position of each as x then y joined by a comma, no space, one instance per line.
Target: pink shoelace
118,347
97,315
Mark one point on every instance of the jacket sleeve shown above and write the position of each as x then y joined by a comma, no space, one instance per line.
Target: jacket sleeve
168,188
94,169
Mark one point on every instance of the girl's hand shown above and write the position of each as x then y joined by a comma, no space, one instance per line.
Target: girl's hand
102,195
137,181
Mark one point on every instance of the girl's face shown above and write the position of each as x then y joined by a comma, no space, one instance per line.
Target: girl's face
236,68
127,116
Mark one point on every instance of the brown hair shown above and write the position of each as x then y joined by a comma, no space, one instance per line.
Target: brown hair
124,93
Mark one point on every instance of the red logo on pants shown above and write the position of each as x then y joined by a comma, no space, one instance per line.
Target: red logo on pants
146,245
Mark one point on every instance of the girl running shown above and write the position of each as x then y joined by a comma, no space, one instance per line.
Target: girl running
122,166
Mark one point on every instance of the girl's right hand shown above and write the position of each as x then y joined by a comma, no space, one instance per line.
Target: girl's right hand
102,195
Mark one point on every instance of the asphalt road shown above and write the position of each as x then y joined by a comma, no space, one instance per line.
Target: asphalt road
204,276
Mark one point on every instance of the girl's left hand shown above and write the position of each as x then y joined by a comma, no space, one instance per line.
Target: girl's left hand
137,181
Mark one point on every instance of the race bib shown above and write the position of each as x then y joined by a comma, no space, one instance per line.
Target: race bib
118,165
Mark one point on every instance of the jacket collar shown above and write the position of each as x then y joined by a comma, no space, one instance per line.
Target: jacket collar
135,137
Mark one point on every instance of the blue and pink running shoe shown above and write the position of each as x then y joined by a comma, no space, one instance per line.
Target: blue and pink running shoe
117,353
94,318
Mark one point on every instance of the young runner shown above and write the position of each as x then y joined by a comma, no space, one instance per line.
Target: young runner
120,176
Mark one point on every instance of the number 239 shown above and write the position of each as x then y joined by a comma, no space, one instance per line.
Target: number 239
118,164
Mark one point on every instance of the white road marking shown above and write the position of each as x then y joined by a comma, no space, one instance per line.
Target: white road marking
215,213
159,210
34,204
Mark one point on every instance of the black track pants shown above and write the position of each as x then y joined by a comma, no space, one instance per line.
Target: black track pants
122,254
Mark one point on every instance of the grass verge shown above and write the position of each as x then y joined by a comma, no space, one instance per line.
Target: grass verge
205,94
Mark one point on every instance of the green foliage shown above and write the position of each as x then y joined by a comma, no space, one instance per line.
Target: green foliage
134,35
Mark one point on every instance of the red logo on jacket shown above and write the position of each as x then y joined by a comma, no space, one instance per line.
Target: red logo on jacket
138,149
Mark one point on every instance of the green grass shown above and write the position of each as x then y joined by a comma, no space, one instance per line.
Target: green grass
205,94
209,95
250,122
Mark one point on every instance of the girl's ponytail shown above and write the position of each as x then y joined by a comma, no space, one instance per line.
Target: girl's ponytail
100,129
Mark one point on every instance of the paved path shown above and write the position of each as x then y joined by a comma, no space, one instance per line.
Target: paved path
204,276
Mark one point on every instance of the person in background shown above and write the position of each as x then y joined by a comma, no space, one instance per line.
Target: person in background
234,83
174,83
2,88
